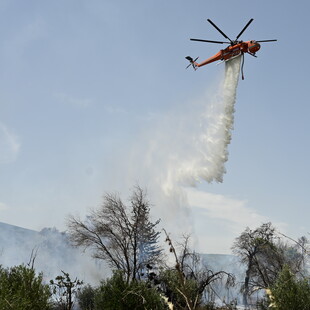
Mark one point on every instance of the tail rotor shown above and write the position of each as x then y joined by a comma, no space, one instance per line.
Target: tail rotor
192,62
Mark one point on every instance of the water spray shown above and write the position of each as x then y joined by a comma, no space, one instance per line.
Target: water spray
209,146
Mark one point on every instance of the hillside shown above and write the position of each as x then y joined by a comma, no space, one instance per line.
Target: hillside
53,253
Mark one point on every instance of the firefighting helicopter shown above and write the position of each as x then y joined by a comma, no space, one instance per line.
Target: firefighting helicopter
234,49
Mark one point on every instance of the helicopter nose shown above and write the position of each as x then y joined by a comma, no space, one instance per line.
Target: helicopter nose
254,47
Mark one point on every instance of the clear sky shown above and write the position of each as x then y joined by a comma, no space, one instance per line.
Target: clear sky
93,92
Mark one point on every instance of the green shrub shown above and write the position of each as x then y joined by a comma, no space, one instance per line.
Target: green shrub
289,293
117,294
22,289
86,298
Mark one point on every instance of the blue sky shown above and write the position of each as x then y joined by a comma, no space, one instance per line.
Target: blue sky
88,90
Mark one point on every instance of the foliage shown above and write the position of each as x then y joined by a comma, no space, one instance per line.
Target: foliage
117,294
64,290
86,298
179,293
290,293
248,247
123,236
22,289
265,255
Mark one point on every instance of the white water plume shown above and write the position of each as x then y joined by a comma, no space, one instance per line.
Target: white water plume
187,146
203,153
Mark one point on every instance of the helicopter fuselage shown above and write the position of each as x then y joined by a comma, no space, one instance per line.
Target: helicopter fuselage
232,51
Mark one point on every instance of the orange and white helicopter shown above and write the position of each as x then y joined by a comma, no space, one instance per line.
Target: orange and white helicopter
235,48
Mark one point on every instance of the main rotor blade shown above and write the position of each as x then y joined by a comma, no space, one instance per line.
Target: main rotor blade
219,30
209,41
266,40
245,27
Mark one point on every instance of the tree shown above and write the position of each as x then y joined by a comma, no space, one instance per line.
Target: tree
248,246
123,236
185,283
265,255
64,290
22,289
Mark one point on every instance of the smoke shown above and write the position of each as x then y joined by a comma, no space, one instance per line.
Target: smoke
49,251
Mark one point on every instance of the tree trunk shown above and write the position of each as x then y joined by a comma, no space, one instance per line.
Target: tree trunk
246,282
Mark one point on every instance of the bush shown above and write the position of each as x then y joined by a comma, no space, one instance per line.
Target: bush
172,288
289,293
86,298
117,294
22,289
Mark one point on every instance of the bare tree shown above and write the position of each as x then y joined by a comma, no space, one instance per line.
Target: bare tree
248,246
185,284
123,236
298,253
